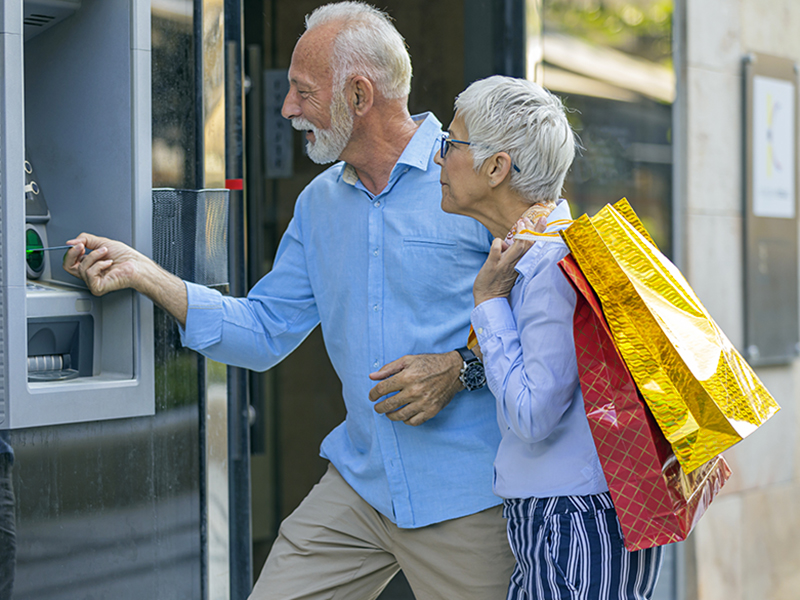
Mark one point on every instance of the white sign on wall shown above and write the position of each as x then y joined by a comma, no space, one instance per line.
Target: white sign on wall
773,148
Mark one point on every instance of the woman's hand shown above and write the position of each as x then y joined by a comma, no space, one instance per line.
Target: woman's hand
497,275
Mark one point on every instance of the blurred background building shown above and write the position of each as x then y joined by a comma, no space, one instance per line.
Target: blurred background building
185,502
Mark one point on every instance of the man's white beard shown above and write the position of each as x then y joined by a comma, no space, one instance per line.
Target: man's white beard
329,144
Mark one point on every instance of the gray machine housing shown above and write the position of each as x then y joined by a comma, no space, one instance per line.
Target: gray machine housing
75,101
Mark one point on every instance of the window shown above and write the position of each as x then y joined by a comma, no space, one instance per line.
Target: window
611,63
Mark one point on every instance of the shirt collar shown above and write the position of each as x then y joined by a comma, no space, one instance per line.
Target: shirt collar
560,213
417,152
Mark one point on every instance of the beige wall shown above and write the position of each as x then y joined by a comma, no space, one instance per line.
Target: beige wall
746,547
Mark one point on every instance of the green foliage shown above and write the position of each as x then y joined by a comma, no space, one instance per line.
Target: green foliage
638,27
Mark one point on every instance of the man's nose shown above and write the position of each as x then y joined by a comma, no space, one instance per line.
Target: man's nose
291,107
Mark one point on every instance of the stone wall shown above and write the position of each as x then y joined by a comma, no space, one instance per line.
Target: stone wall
745,547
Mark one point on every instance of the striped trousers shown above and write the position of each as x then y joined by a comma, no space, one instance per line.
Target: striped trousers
570,547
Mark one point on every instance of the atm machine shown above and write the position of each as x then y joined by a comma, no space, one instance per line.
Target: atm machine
75,157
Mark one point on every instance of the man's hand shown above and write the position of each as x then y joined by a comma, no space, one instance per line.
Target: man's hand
112,265
425,384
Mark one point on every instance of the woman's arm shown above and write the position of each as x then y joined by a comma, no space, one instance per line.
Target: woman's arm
530,357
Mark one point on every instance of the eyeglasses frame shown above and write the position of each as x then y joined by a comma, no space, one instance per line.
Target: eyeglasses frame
445,139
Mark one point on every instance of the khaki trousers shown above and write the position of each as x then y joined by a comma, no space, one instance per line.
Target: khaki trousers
336,546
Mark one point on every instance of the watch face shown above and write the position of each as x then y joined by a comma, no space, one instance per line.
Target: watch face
474,376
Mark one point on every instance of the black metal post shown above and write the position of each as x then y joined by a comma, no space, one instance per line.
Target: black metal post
241,552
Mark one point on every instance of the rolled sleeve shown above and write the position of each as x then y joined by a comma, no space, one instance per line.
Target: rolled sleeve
203,317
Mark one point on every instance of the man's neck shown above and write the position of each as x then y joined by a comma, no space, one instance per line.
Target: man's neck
377,145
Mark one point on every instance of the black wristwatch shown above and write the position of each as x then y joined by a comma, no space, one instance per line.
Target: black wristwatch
472,376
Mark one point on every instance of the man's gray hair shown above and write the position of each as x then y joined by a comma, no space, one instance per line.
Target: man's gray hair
504,114
368,44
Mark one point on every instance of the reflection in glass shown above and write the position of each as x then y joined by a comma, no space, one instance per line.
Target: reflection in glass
174,96
611,63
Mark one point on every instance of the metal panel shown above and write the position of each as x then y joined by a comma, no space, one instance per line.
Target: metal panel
241,549
39,16
215,404
772,330
3,418
190,234
11,184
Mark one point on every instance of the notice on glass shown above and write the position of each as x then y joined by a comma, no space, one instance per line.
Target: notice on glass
773,148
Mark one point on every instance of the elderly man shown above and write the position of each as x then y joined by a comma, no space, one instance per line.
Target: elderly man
370,256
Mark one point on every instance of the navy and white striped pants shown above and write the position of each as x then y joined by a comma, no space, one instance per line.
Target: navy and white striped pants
571,547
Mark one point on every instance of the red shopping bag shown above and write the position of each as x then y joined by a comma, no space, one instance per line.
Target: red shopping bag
656,501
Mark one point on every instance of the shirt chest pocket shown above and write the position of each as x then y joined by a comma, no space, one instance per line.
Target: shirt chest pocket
436,270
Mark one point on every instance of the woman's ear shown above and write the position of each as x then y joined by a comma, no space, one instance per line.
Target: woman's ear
498,166
361,95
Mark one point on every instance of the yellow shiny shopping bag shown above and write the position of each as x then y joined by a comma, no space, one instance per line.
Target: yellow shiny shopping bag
703,394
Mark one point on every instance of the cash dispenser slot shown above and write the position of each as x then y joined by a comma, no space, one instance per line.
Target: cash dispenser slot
60,348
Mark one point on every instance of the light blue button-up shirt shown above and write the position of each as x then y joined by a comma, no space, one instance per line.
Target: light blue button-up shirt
529,354
386,276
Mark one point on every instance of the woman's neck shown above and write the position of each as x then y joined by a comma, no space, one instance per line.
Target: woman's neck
504,219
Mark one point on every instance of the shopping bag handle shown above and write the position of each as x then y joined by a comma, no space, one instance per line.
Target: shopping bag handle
535,236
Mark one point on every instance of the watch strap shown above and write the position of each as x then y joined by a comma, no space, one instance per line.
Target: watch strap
467,355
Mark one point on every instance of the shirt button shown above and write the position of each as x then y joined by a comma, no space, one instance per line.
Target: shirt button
376,308
377,203
375,364
480,329
375,252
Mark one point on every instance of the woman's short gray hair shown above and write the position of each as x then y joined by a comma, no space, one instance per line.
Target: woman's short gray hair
368,44
504,114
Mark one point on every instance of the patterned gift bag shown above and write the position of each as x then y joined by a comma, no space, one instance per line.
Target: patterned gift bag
703,394
656,501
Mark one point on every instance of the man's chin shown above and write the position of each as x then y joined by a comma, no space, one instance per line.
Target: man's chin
324,161
320,160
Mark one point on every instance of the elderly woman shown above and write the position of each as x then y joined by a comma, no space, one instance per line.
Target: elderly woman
503,163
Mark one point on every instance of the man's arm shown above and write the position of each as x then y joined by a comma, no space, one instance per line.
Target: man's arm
112,265
425,384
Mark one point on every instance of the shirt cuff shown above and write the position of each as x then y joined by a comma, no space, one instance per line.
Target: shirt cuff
491,317
203,317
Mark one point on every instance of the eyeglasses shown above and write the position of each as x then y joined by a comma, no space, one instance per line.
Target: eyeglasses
446,140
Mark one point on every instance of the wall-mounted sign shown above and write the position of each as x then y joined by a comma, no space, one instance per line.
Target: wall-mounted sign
773,147
772,328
